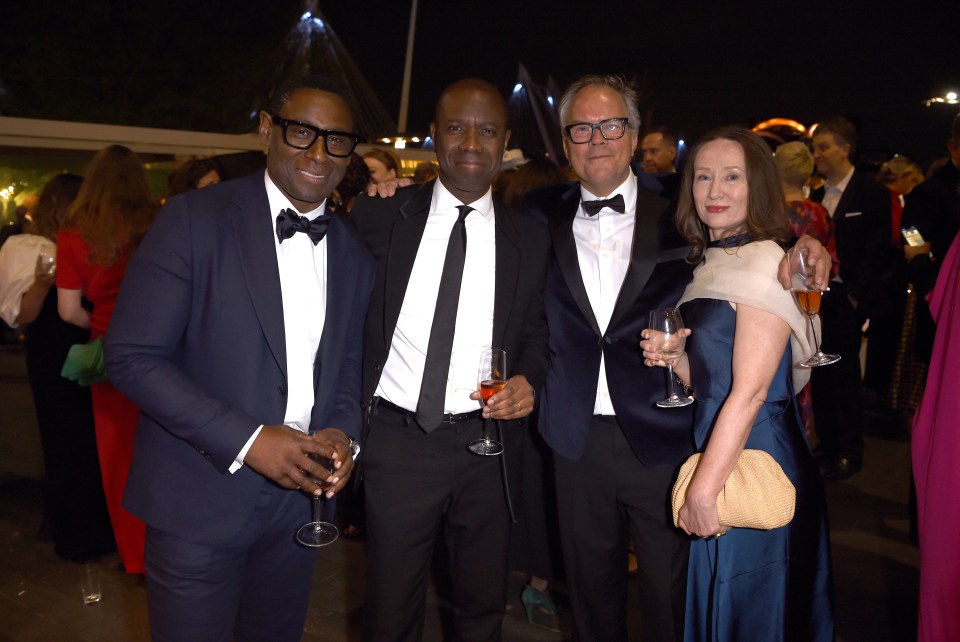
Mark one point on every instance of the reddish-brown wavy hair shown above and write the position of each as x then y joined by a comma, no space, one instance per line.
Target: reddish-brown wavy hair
114,208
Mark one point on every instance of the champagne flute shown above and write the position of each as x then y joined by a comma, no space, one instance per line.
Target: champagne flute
318,532
491,378
667,326
808,299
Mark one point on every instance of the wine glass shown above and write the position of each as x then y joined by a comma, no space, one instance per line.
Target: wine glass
491,378
808,299
318,532
667,336
47,261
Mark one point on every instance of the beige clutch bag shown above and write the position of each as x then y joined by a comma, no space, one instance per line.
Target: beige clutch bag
757,494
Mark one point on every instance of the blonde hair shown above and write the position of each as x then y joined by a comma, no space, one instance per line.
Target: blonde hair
794,162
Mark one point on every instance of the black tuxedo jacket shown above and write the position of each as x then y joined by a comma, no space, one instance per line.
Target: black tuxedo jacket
655,279
392,229
861,226
197,342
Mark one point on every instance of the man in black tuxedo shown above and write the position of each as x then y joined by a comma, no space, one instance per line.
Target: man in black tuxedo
860,208
422,343
236,335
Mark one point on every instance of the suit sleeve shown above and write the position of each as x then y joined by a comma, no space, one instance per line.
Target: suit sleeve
875,260
534,357
347,412
146,336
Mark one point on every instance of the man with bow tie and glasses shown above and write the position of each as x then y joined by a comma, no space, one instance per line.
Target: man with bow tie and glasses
616,257
237,332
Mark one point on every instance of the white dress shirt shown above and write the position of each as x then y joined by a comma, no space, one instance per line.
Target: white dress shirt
403,371
604,248
832,193
303,288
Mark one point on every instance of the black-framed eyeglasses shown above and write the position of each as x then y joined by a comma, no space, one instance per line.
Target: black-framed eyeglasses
303,136
610,129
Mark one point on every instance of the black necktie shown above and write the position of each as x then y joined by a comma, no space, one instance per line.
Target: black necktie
615,203
433,388
289,223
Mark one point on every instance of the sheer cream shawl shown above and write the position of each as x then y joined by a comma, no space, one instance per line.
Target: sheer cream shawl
747,275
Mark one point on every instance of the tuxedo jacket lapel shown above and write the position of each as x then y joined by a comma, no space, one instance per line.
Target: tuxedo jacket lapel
565,249
507,271
404,244
646,247
340,285
258,259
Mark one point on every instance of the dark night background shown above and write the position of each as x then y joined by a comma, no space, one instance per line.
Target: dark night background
205,65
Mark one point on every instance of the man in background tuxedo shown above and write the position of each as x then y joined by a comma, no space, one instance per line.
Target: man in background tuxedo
422,344
237,331
860,208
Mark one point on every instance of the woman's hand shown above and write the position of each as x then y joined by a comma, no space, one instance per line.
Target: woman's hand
698,515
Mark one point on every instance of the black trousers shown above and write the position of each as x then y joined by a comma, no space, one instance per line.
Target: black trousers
255,588
420,486
599,497
837,389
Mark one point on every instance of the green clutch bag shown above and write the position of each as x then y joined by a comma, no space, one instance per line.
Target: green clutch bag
84,363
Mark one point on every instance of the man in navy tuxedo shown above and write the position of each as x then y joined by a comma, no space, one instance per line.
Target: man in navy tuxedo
238,331
615,453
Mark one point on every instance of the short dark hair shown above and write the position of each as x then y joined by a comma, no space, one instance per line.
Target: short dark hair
284,91
843,132
766,219
56,197
186,177
667,134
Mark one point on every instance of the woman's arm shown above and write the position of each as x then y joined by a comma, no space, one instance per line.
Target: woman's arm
758,346
70,309
32,300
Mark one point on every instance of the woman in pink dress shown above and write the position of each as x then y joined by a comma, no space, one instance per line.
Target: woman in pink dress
103,227
936,448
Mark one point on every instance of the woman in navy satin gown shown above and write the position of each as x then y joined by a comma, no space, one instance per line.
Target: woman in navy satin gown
746,584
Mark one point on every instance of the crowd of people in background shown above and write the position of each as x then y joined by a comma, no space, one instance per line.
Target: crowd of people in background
588,458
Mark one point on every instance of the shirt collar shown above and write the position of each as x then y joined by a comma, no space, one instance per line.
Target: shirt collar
444,200
842,185
627,188
279,201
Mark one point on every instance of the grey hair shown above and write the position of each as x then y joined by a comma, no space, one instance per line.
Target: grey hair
616,83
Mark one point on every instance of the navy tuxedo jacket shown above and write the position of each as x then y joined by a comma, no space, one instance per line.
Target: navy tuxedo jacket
655,279
197,342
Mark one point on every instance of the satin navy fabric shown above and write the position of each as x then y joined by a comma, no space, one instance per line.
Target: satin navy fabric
754,584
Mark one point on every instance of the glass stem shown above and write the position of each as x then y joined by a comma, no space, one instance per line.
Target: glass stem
813,329
316,514
673,395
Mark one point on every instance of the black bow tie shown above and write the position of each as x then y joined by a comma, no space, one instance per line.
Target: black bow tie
593,207
289,223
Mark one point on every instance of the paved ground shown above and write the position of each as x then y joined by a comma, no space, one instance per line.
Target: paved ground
875,566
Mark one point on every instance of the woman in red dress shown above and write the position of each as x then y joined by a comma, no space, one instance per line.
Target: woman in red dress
103,227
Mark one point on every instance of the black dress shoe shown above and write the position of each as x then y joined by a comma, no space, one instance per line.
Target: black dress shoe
840,468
